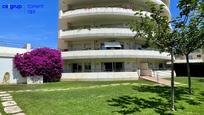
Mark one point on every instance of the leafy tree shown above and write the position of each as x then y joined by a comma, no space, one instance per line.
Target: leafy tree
40,62
190,27
155,29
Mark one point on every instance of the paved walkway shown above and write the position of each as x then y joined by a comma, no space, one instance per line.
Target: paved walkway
78,88
9,105
160,81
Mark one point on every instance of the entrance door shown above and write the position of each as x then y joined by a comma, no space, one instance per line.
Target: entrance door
144,69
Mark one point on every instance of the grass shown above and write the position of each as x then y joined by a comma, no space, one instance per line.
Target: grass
62,85
113,100
1,110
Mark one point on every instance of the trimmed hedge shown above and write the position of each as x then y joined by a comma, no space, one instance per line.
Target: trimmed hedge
44,62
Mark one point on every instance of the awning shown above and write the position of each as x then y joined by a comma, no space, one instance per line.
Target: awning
112,45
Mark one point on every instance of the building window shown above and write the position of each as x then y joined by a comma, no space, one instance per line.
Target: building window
113,67
87,46
163,66
199,56
111,46
118,67
87,67
76,68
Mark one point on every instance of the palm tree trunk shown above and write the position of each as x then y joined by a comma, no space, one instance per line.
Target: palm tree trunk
188,74
172,82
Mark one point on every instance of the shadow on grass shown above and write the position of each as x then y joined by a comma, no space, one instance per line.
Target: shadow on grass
201,98
160,103
201,80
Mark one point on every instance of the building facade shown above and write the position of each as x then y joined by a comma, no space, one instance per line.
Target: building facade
97,43
196,60
194,57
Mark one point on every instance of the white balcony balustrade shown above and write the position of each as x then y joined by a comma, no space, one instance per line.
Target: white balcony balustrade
96,33
124,54
102,11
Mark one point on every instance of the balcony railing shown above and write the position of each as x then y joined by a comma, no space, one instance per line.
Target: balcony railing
101,54
100,11
96,26
96,33
130,5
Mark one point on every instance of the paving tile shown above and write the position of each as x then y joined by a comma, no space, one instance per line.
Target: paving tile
8,103
4,95
125,83
7,99
11,91
114,84
12,109
3,92
19,114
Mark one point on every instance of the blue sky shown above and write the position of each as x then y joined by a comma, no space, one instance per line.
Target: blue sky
40,29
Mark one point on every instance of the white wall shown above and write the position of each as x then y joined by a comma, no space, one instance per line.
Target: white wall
6,65
100,76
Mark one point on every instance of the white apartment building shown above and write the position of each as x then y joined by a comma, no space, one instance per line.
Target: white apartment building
97,43
194,57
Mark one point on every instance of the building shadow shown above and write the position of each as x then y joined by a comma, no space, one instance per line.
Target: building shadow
160,104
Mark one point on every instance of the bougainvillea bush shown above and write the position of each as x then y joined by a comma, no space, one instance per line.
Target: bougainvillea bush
44,62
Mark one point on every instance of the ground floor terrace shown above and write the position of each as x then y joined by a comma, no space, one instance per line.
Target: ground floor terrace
113,69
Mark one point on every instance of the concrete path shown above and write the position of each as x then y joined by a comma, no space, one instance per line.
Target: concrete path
10,106
78,88
160,81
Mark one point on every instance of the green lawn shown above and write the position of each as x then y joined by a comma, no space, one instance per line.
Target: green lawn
112,100
62,85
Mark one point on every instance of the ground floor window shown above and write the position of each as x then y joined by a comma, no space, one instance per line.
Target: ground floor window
87,67
113,66
76,68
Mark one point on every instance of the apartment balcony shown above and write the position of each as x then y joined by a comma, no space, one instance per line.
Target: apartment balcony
121,54
105,2
95,33
180,61
108,13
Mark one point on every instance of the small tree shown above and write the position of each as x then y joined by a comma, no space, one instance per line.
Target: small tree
190,25
155,29
40,62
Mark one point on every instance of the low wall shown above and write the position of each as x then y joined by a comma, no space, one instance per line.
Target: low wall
100,76
13,77
162,73
6,66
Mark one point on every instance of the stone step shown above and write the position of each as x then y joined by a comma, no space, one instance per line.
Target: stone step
4,95
19,114
6,99
3,92
12,109
8,103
